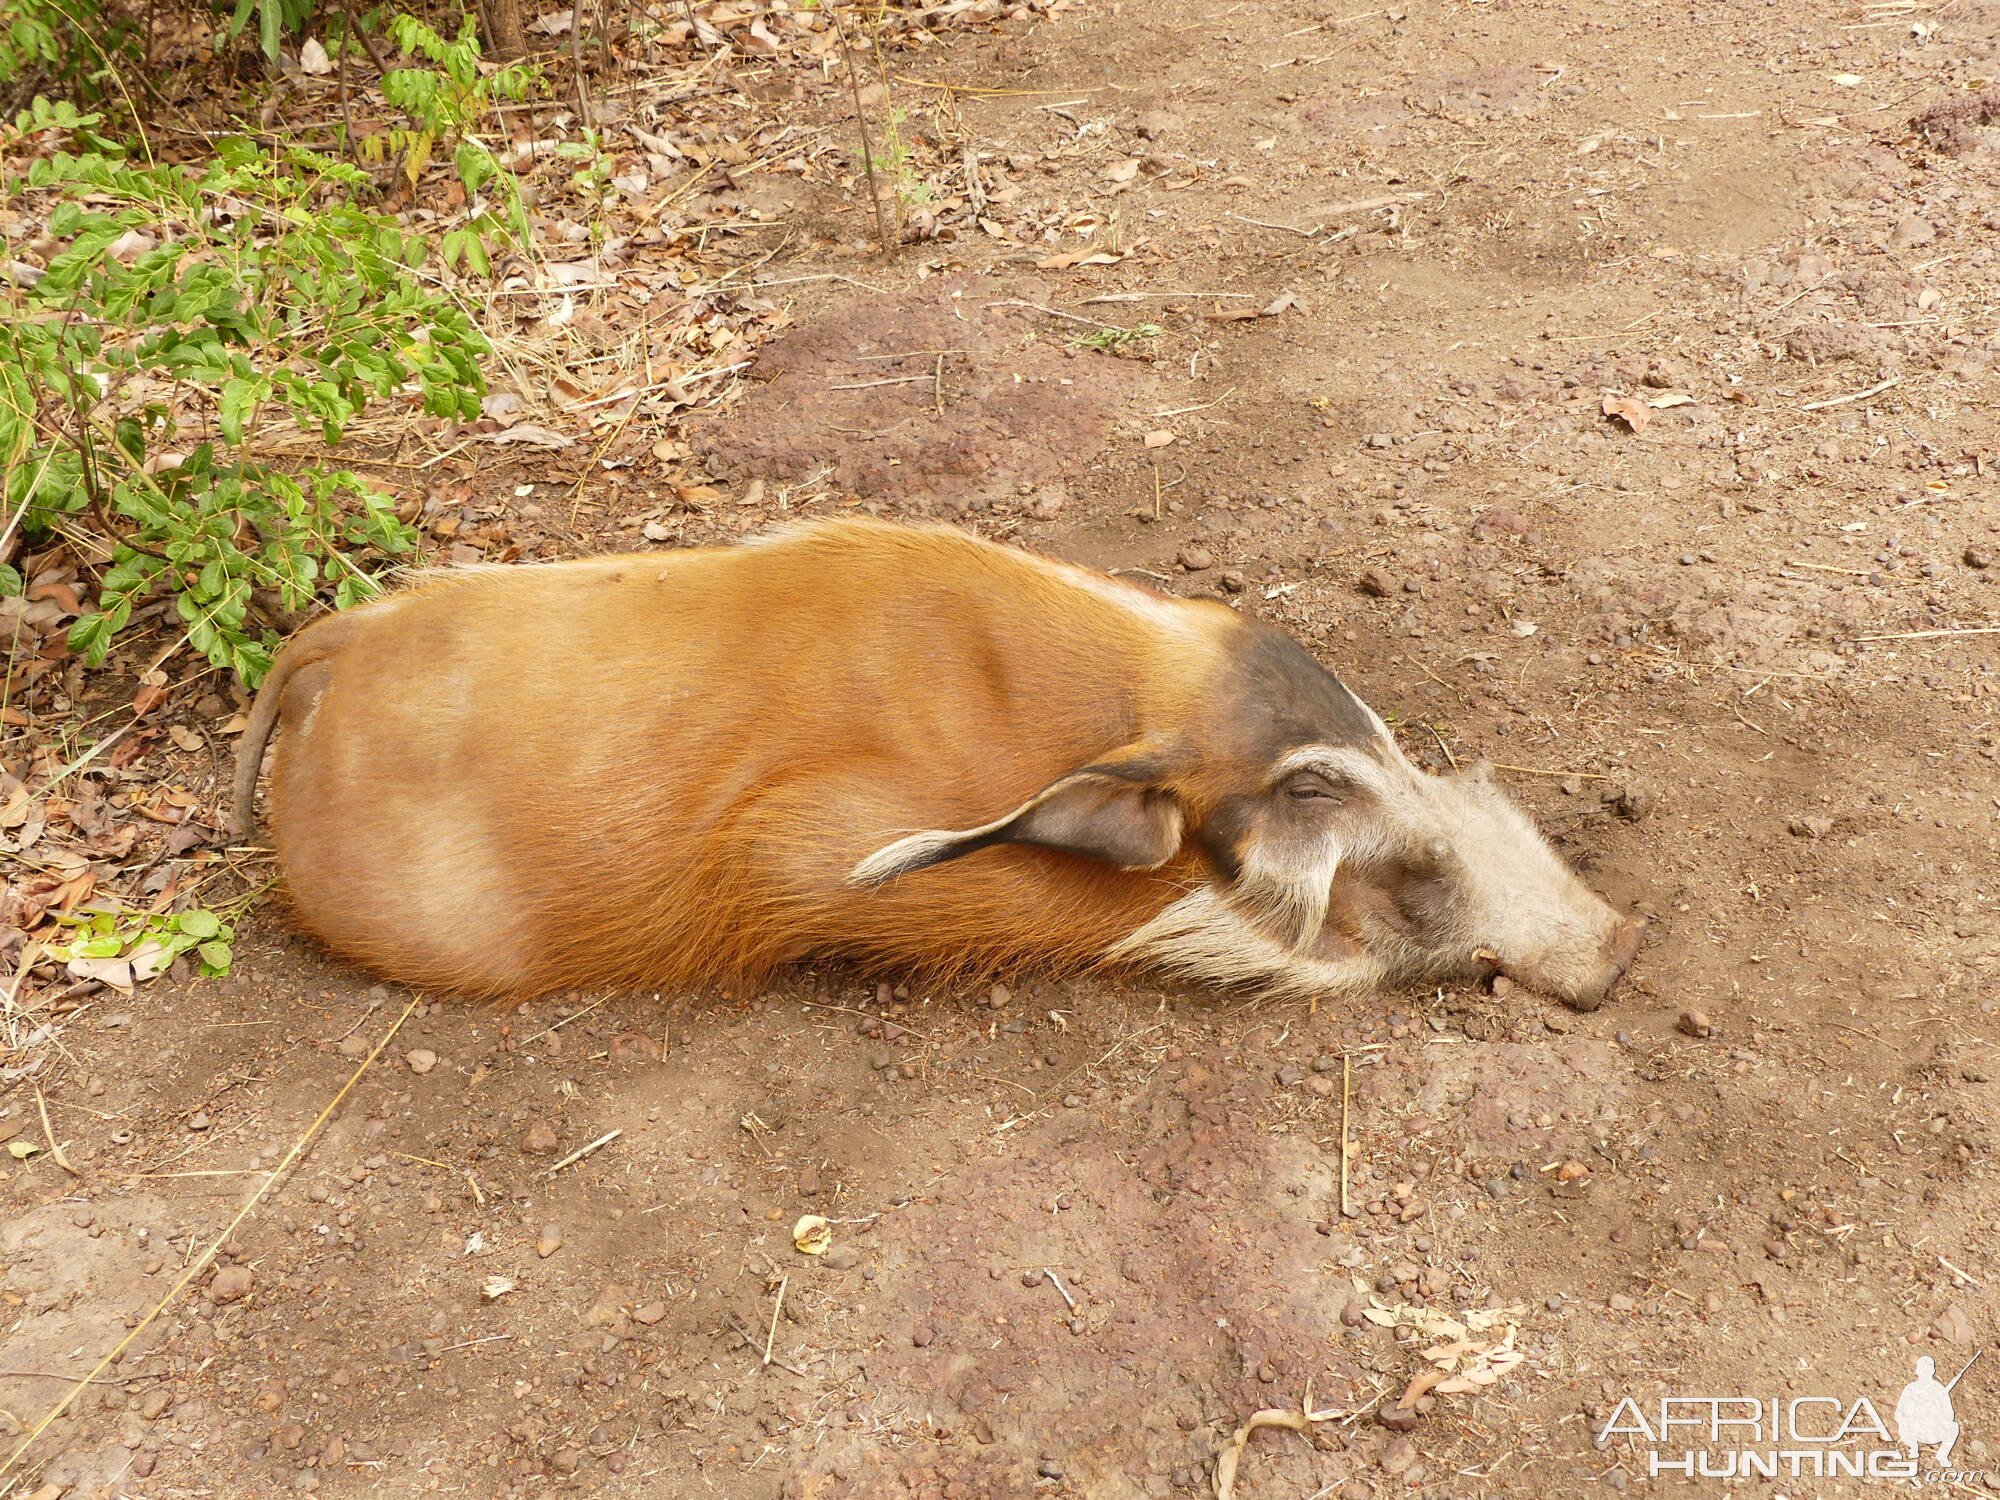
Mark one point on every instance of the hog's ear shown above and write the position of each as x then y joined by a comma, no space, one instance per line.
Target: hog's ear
1115,811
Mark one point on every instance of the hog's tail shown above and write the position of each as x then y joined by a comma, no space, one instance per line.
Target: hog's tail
309,646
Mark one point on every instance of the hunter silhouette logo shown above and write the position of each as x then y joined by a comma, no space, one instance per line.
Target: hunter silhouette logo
1924,1414
1819,1436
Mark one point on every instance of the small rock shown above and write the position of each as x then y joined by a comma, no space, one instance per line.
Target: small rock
230,1284
1048,1468
1953,1326
1376,583
1622,1303
1196,559
1289,1077
1231,581
922,1335
156,1402
1977,557
999,997
841,1258
540,1139
1353,1315
1912,232
1696,1023
1396,1418
197,1121
566,1460
352,1046
421,1060
1154,124
549,1240
1811,826
649,1313
1398,1455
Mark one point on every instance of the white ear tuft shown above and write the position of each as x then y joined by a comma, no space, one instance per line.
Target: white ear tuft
906,854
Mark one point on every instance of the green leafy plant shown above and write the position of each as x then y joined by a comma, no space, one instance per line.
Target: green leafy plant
151,941
71,43
447,102
1108,339
892,160
182,310
275,18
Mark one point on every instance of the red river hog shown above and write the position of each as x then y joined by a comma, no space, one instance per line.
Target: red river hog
904,746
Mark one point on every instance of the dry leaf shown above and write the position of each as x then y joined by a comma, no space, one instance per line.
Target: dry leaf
1632,412
1669,398
533,436
313,58
22,1150
812,1235
1079,258
1231,1455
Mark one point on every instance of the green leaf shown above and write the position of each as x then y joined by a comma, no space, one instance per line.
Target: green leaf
199,923
216,957
239,404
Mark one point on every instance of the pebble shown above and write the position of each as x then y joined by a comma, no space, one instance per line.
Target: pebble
1395,1418
1289,1076
230,1284
1048,1468
922,1335
1353,1315
549,1240
1196,559
156,1402
1977,557
540,1139
841,1258
421,1060
1696,1023
1376,583
1399,1455
649,1313
1953,1326
1911,232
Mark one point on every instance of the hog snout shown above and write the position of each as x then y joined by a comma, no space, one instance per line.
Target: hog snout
1617,954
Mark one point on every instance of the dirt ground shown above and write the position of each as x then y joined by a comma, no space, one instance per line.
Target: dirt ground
1418,274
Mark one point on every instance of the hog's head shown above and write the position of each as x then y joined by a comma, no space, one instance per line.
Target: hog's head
1323,860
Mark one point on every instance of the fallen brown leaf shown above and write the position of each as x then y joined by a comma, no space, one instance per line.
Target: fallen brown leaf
1633,412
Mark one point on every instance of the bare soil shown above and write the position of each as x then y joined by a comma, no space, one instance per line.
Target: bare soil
1082,1231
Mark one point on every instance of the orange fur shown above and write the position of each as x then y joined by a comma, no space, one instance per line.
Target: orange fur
661,768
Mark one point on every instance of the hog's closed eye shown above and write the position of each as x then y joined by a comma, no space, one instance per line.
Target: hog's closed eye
1310,786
